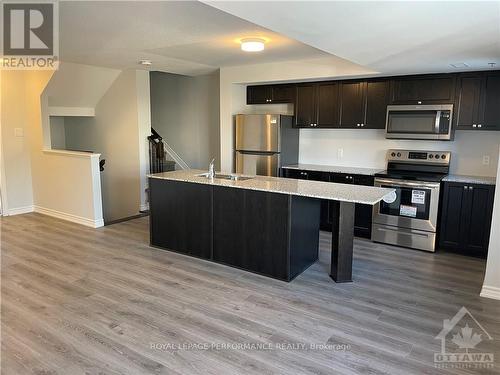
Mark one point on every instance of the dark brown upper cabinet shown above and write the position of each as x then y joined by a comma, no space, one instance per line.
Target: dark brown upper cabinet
490,101
377,98
270,94
468,101
317,105
259,94
283,94
305,106
424,90
362,104
328,105
352,104
478,101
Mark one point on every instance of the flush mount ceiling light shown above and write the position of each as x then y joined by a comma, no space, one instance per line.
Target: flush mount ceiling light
146,62
252,44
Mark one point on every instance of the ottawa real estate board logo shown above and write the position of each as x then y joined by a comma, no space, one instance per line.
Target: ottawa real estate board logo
462,339
30,35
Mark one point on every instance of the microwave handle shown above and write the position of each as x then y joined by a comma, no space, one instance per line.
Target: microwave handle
436,122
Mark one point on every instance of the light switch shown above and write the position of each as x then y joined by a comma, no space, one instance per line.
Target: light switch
18,132
486,160
340,153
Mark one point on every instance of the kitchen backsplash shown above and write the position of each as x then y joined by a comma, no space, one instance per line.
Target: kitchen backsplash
367,148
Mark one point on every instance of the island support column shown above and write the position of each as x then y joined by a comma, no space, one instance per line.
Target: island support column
342,241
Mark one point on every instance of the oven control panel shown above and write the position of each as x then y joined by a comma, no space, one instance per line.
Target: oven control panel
419,157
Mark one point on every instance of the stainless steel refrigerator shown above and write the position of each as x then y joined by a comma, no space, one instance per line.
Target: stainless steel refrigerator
264,143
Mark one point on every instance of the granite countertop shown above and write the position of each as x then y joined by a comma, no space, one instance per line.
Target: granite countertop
484,180
335,169
314,189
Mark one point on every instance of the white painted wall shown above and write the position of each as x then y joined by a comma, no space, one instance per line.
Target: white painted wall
36,180
65,185
491,285
144,128
17,183
118,133
185,112
77,85
365,148
232,97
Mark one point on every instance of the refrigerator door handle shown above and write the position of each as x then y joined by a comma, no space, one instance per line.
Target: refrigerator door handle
257,152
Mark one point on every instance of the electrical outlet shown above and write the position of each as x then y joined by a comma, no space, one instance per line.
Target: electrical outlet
486,159
340,153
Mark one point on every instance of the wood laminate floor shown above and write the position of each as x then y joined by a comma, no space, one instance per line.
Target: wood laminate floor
77,300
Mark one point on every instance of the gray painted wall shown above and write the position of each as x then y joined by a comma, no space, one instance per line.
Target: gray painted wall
57,132
185,112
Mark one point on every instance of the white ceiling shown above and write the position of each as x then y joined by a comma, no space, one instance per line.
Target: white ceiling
190,37
183,37
389,37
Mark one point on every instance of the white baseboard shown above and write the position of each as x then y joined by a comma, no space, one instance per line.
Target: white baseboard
70,217
20,210
490,292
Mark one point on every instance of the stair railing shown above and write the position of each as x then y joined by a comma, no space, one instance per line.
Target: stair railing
158,150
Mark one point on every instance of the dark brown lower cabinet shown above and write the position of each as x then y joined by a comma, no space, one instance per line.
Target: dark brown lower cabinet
271,234
326,212
362,213
466,211
181,217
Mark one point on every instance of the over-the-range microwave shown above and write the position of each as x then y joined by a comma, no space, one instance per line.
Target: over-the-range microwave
431,122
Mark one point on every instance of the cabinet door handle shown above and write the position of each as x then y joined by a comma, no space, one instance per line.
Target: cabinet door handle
419,102
479,125
465,187
474,125
358,125
470,187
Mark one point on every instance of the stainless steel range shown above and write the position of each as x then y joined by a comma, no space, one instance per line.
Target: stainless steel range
411,219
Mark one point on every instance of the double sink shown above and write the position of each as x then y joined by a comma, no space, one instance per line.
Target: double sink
230,177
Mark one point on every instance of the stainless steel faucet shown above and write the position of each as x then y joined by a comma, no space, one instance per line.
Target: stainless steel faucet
211,169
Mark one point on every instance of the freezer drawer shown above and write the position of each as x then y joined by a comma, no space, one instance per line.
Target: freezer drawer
257,164
257,133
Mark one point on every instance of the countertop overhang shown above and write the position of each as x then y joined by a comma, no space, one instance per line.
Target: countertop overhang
313,189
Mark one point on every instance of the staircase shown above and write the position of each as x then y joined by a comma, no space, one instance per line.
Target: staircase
162,158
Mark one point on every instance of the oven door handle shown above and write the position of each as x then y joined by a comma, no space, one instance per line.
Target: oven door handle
407,183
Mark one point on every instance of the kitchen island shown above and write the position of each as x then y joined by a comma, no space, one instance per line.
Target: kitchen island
267,225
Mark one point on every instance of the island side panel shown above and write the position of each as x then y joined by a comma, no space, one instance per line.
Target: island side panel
342,241
181,217
251,230
304,233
